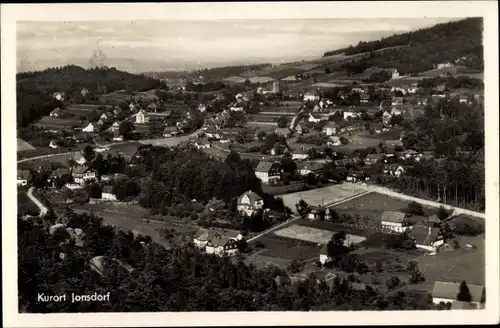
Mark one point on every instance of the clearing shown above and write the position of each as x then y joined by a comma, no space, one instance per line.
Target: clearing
23,145
314,235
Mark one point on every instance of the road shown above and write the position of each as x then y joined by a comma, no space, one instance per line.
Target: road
46,156
295,217
43,209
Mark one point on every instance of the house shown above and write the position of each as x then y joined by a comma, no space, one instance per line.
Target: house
131,107
334,141
323,255
59,96
440,88
54,144
393,169
300,154
57,174
268,171
202,108
117,136
170,131
236,108
24,177
142,117
84,92
211,132
351,114
309,168
83,174
202,143
100,122
115,127
427,238
355,176
386,117
394,221
422,102
311,96
408,154
373,159
444,65
58,112
217,242
464,100
364,98
249,203
447,292
377,127
103,117
79,159
88,128
331,128
397,101
316,213
108,194
313,119
394,73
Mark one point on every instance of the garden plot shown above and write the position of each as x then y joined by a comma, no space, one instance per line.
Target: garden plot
315,235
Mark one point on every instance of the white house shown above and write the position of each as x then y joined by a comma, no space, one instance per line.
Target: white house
142,117
249,203
58,112
444,65
236,108
311,96
393,169
334,141
24,177
394,73
104,117
202,108
79,159
170,131
464,100
397,101
309,168
202,143
53,144
427,238
312,119
446,292
107,193
217,242
117,136
59,96
300,154
115,126
88,128
394,221
268,171
83,174
330,129
323,255
351,114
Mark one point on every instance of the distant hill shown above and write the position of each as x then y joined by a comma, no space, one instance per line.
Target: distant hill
422,49
35,89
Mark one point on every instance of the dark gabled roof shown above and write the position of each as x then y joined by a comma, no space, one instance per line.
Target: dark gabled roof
424,235
252,196
170,129
312,166
393,216
265,166
82,169
24,174
449,290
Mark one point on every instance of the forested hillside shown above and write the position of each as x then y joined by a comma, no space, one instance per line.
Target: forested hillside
35,89
212,74
140,275
423,48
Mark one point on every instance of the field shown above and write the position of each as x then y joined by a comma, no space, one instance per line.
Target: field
23,145
387,135
48,122
274,246
284,189
314,235
132,217
326,195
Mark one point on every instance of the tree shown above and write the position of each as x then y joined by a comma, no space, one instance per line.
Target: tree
94,190
443,213
416,275
464,293
126,129
295,266
282,121
414,208
303,208
88,153
261,135
392,282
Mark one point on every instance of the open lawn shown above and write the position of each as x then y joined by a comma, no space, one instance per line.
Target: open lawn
326,195
25,205
279,248
24,146
261,261
332,226
386,135
48,122
310,234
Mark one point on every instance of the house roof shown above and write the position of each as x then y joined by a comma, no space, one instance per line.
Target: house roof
78,157
424,235
393,216
170,129
24,174
81,169
252,196
264,166
60,172
143,112
312,166
107,189
449,290
375,156
220,240
203,234
324,250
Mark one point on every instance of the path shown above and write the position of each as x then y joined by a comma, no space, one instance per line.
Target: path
298,217
43,209
426,202
46,156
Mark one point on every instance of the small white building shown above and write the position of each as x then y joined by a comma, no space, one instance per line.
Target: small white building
300,154
108,194
351,114
88,128
24,177
427,238
59,95
311,96
217,242
202,143
331,129
394,221
268,171
54,144
393,169
142,117
323,255
249,203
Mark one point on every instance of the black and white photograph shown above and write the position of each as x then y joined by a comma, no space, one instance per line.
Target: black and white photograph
206,161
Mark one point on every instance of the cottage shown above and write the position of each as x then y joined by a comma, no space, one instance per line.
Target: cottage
80,159
108,194
131,107
323,255
59,95
83,174
249,203
397,101
331,129
394,73
317,213
24,177
211,132
56,113
103,117
447,292
117,111
202,143
364,98
54,143
309,168
393,169
100,122
142,117
84,92
117,136
355,176
88,128
311,96
351,114
300,154
427,238
268,171
386,117
58,174
464,100
217,242
170,131
373,159
115,126
202,108
394,221
408,154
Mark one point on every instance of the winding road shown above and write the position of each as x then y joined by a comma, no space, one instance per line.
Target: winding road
43,209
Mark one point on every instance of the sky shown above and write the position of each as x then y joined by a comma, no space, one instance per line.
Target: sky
147,45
